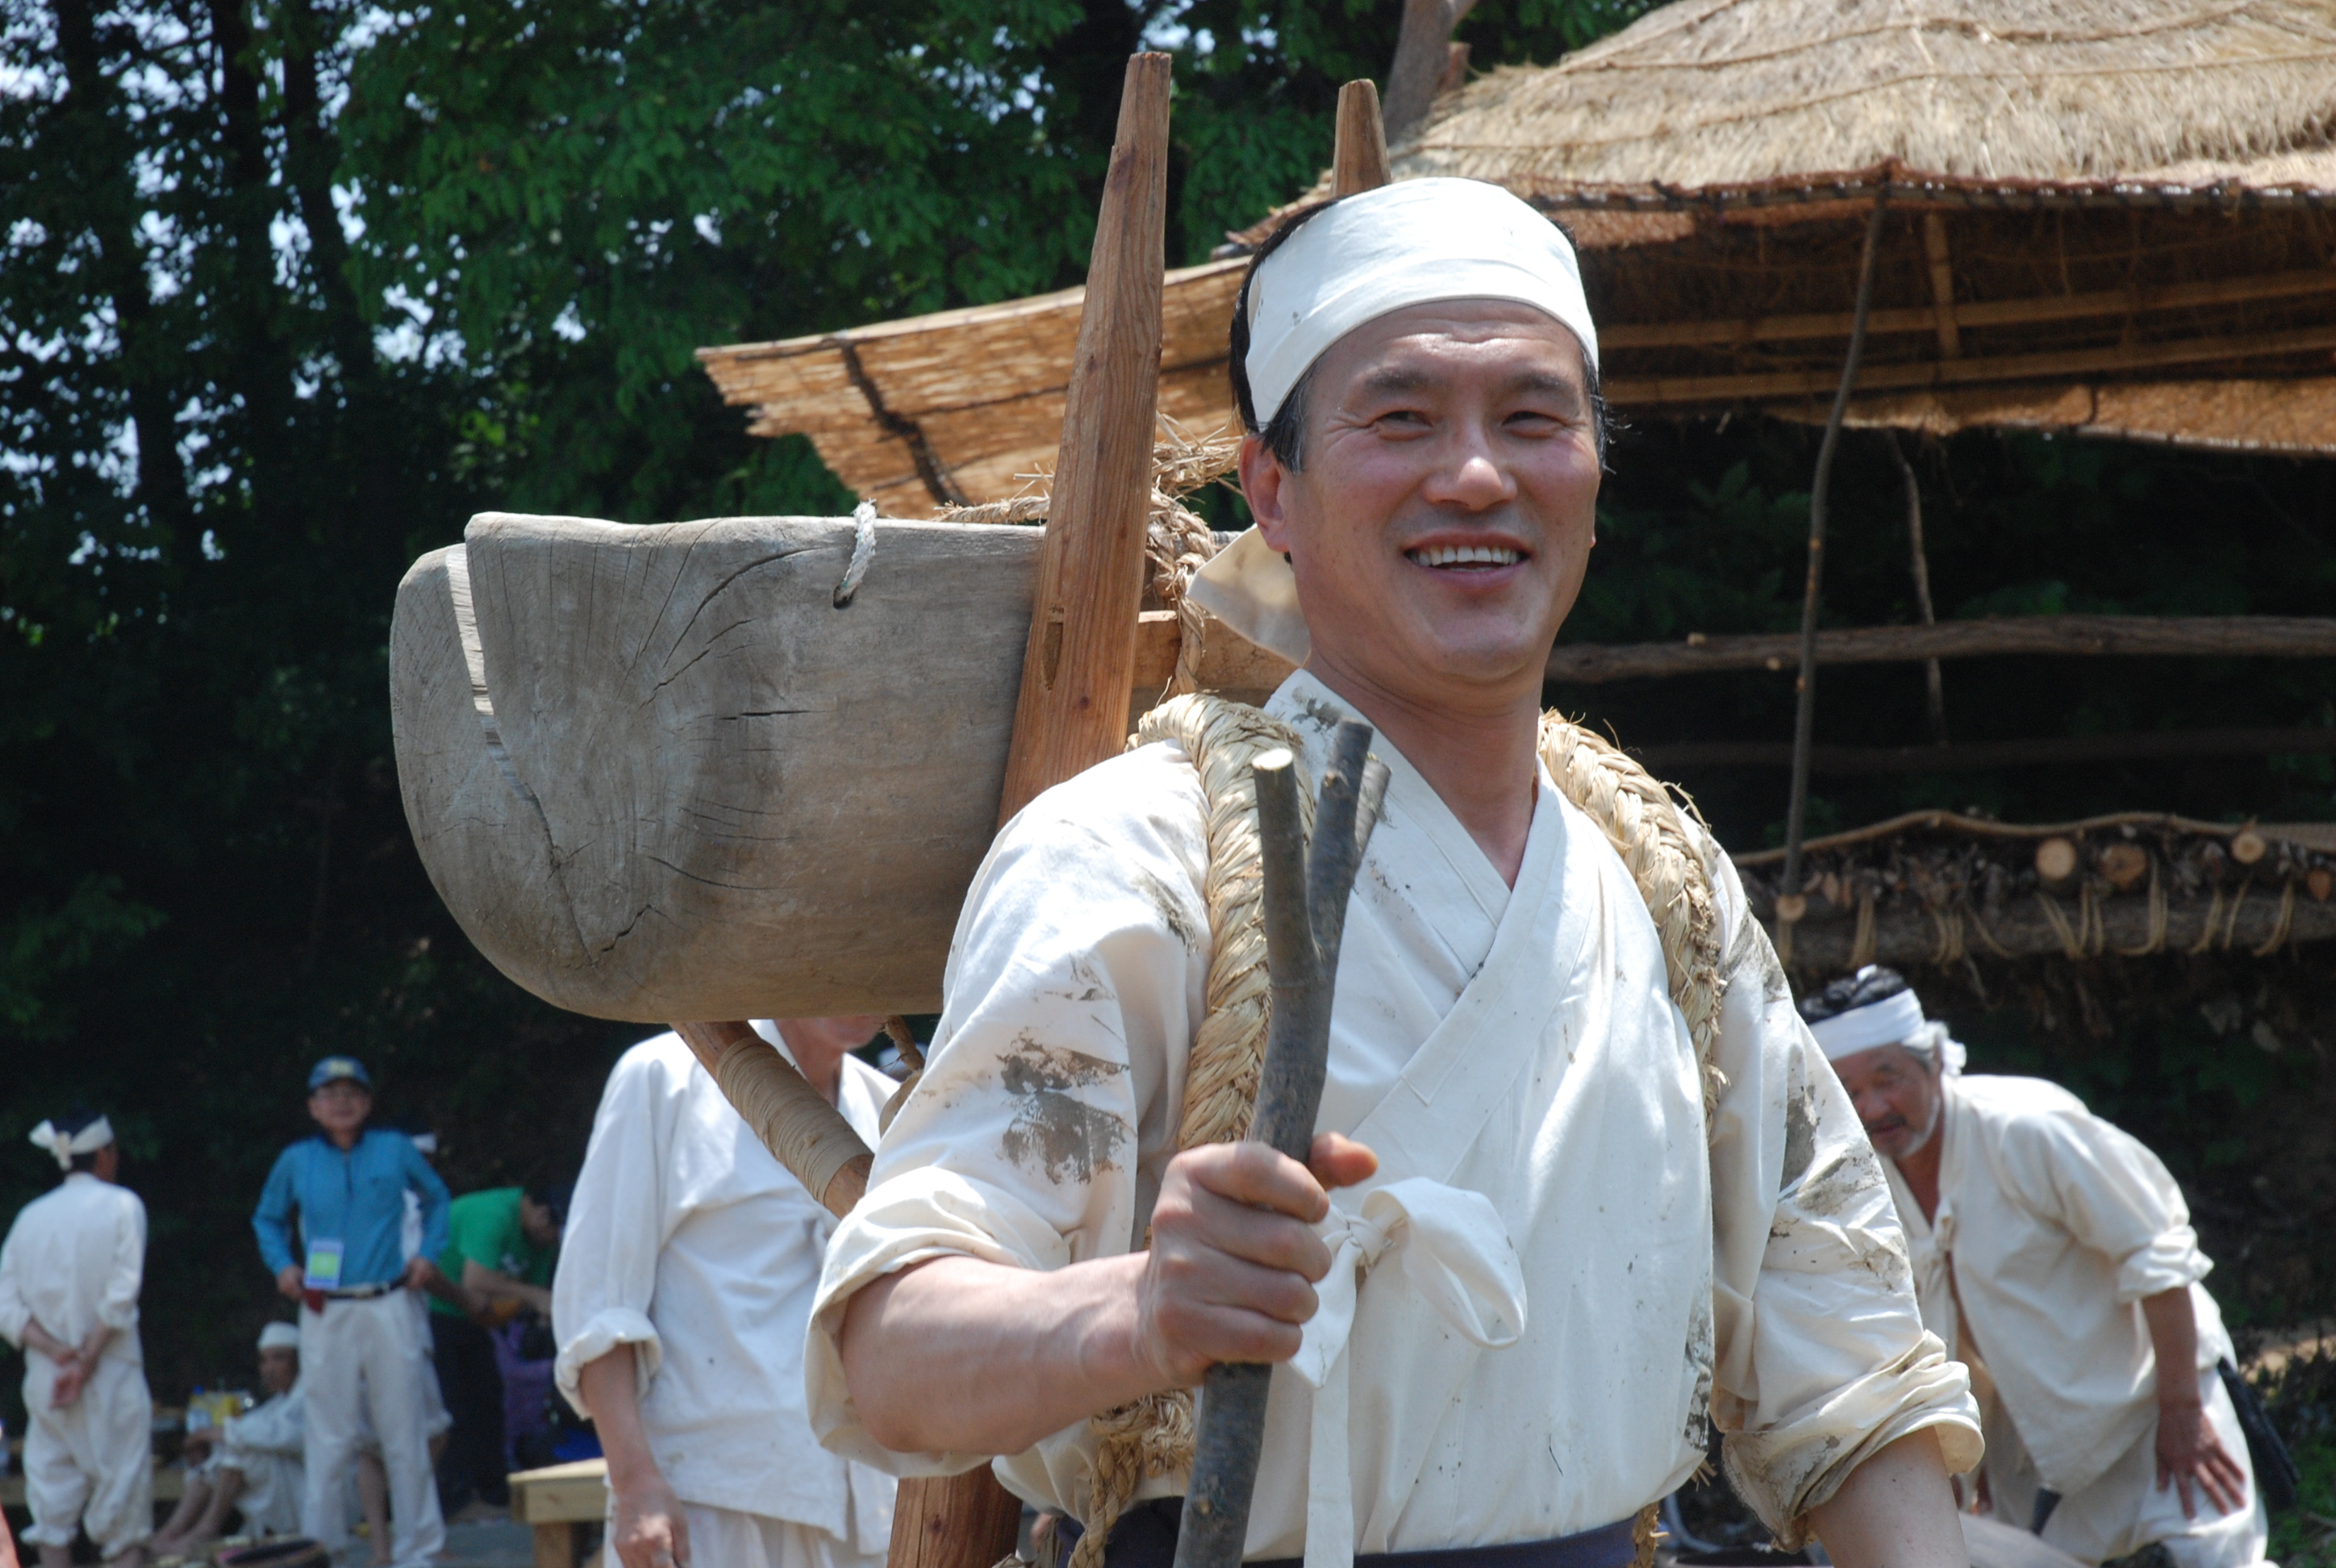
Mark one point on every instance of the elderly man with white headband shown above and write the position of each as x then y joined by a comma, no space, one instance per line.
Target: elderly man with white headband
2055,1252
70,1274
1571,1271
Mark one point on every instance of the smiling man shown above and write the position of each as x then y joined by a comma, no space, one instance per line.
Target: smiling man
1543,1269
2055,1252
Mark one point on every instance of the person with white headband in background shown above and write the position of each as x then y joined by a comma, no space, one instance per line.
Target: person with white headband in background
2055,1253
1525,1269
70,1274
250,1463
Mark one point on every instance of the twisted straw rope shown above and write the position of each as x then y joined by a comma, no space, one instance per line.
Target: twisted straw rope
1153,1435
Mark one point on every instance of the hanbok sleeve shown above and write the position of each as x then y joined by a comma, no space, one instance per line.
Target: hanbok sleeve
15,1312
1821,1356
1034,1138
617,1222
117,1305
2107,1190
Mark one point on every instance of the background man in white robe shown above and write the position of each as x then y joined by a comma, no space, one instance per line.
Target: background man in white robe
2056,1253
70,1273
1514,1106
250,1464
684,1284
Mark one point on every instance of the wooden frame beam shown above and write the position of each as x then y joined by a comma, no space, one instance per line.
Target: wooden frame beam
1947,315
1795,383
1943,286
2047,751
2181,637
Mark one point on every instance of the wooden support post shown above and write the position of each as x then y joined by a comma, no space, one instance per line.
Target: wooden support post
1934,688
1076,671
1359,158
1943,284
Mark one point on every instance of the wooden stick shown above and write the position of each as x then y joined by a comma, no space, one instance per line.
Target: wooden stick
1934,688
1989,828
1805,709
2291,341
2274,636
1947,315
1305,897
1359,158
1076,670
1971,755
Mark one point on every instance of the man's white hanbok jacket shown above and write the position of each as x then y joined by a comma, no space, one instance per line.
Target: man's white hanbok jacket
2058,1225
1563,1287
687,1240
75,1258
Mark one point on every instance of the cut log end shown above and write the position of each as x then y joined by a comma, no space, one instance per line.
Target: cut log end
2056,863
2124,866
2248,846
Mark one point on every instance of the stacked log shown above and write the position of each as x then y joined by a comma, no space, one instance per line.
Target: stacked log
1940,889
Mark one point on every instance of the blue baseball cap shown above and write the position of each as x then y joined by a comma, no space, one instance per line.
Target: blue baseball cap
333,1068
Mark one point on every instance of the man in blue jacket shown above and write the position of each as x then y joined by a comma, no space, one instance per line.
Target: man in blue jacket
359,1344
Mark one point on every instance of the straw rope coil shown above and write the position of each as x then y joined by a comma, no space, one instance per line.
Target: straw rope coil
1153,1435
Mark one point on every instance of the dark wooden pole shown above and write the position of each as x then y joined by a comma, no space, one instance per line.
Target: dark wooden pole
1805,707
1305,897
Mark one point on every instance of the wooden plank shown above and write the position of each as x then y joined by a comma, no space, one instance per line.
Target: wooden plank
1970,313
2283,637
2048,751
1072,710
1967,372
574,1491
555,1546
1943,286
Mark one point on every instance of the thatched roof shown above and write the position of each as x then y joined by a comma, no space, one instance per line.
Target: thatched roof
1714,92
2108,216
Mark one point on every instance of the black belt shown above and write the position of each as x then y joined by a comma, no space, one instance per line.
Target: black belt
1145,1537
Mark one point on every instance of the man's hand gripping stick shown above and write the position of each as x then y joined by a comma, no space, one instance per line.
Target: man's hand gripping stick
1305,899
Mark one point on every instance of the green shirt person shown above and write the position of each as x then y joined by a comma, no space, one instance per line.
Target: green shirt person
498,1249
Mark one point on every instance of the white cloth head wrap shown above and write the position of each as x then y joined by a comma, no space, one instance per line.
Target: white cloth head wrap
279,1336
64,1146
1413,243
1894,1020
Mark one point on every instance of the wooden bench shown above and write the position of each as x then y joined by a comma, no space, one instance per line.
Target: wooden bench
554,1500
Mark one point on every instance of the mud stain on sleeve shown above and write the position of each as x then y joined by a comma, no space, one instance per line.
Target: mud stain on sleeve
1055,1133
1800,1132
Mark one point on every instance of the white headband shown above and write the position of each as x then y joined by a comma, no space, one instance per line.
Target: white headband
65,1145
1892,1020
1413,243
280,1336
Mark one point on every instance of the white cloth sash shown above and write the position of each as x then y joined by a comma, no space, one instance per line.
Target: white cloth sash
1457,1255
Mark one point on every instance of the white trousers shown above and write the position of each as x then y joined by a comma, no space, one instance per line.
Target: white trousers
272,1490
2125,1510
90,1463
727,1538
364,1359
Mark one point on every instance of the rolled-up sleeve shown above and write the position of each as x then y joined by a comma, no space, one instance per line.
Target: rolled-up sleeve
1821,1356
618,1223
2111,1193
1076,971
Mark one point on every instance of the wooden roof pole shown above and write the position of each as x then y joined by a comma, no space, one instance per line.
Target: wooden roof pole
1073,709
1358,159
